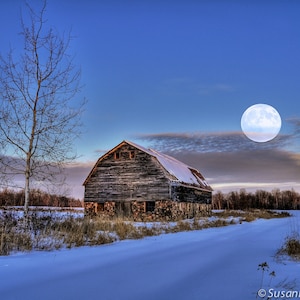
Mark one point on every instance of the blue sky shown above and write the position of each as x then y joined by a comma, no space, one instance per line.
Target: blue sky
178,75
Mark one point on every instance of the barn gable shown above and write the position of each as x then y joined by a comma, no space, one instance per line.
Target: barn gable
126,173
178,170
130,175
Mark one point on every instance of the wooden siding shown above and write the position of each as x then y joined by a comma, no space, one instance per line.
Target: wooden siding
127,174
185,193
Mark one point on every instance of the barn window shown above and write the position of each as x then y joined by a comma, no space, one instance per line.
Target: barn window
131,154
117,155
150,206
100,207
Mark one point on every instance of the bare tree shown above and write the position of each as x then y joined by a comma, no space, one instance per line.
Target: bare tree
39,116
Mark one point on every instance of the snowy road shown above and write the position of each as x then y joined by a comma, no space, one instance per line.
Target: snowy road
218,263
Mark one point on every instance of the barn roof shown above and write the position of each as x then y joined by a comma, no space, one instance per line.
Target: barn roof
179,170
176,168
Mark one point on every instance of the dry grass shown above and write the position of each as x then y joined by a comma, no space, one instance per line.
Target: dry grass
291,246
251,215
48,232
13,241
44,233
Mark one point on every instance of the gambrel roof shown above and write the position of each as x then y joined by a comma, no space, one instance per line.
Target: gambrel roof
177,169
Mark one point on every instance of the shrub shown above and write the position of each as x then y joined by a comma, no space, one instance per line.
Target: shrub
183,226
126,230
14,241
292,245
218,223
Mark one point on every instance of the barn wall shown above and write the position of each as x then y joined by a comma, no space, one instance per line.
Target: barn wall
184,193
167,210
127,174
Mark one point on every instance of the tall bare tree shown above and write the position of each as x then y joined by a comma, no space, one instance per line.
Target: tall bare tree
39,114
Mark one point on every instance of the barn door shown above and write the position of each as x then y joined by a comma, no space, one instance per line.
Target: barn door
123,209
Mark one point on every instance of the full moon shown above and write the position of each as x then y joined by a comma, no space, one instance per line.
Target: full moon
261,123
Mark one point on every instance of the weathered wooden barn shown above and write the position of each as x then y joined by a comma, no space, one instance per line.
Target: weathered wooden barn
132,181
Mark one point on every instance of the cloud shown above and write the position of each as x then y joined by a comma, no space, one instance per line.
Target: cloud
246,169
69,182
101,151
258,165
75,175
190,86
230,160
214,88
295,123
210,142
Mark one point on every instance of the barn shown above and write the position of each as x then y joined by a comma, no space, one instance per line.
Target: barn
144,184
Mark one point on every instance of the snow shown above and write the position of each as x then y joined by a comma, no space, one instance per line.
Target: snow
56,213
215,263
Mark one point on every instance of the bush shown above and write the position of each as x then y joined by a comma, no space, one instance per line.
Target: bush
14,241
293,246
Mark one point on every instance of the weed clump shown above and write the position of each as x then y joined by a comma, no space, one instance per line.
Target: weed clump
291,246
11,237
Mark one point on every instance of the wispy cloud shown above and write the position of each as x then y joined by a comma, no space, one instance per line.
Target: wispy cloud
68,182
253,186
230,160
205,89
187,86
258,165
75,175
210,142
101,151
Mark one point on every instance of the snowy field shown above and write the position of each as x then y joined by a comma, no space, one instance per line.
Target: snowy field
56,213
216,263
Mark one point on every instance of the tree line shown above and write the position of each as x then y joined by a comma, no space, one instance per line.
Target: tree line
9,197
261,199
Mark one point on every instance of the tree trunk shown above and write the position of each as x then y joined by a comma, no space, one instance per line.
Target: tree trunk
27,193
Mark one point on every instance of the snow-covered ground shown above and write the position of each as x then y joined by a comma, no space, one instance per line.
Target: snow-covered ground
216,263
56,213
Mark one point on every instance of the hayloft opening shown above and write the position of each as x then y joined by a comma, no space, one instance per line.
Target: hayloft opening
132,154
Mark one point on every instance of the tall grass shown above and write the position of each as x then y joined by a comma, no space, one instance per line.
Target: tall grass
291,246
